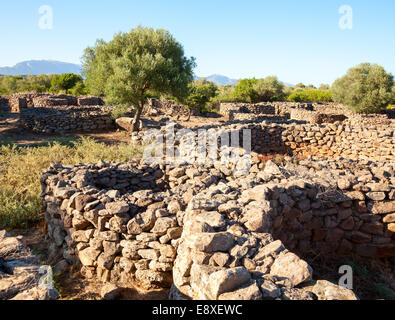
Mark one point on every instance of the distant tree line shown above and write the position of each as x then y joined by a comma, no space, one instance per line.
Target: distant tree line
366,88
63,83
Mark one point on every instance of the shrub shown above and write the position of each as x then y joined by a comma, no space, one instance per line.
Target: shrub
310,96
122,111
366,88
200,94
79,89
269,89
244,91
64,81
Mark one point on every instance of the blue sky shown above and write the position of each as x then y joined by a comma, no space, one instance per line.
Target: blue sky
298,41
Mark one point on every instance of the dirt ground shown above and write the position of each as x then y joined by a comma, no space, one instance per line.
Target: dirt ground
11,133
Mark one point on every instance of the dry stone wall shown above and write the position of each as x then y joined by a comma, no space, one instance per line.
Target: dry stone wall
311,112
4,103
214,235
44,100
65,119
348,140
168,107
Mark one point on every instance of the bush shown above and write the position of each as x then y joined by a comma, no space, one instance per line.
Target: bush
259,90
200,94
64,81
18,84
20,169
310,96
366,88
79,89
122,111
244,91
269,89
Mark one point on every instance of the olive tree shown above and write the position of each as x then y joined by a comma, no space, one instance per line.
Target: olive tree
365,88
134,64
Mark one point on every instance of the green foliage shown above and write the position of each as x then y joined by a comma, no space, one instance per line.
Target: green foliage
245,91
366,88
200,93
324,87
79,89
135,63
122,111
258,90
299,87
269,89
19,84
20,169
313,95
64,81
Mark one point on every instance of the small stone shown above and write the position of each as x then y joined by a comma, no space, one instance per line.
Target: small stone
326,290
289,265
247,292
88,256
116,208
227,280
269,290
376,196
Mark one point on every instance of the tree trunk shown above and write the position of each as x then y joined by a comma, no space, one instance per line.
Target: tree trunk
136,119
189,114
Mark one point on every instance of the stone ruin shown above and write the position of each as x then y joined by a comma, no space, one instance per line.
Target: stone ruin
218,231
155,107
21,101
63,119
214,232
20,272
4,106
45,113
300,138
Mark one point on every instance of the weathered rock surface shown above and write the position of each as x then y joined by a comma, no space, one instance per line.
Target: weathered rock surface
20,273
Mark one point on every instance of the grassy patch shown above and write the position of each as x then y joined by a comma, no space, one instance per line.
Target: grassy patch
20,169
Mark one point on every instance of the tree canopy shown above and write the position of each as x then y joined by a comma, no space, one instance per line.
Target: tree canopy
200,93
136,63
65,81
366,88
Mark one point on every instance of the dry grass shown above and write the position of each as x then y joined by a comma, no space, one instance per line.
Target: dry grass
20,169
372,278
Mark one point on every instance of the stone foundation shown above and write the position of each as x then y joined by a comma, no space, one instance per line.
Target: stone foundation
215,235
67,119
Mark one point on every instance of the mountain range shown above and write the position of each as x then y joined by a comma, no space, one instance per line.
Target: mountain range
219,80
36,67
